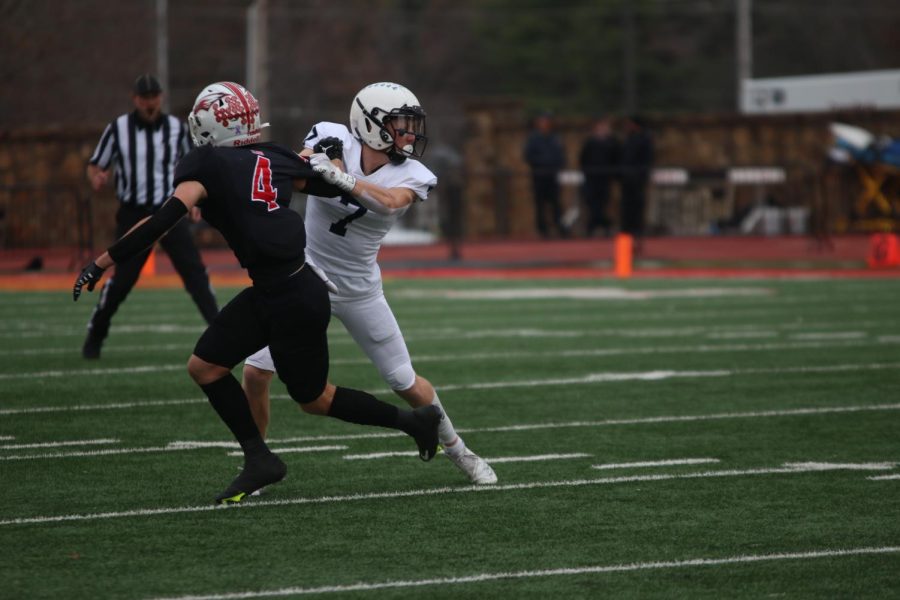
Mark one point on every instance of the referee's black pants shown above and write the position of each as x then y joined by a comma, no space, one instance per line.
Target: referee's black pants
184,256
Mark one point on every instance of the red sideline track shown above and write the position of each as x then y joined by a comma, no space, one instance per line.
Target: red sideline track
752,257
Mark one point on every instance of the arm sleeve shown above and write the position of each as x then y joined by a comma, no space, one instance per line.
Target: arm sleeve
141,238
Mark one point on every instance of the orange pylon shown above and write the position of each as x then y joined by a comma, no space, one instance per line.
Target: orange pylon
149,268
623,257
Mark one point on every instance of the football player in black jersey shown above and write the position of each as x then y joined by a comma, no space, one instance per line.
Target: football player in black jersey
243,188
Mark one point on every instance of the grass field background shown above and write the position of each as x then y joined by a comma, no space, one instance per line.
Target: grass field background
655,438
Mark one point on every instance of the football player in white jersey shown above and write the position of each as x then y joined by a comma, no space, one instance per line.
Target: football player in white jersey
381,180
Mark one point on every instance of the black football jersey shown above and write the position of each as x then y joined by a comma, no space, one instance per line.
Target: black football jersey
249,192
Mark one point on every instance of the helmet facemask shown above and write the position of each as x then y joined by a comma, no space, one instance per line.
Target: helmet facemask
405,122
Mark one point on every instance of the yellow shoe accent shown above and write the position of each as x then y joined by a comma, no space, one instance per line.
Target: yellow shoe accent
233,499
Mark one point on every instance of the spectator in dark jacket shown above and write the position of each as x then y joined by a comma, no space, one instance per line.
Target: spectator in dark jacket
599,161
636,164
545,155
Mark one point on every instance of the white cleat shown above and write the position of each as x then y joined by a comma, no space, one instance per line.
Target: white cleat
476,468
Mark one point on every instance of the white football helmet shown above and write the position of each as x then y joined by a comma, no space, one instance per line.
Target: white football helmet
378,103
225,114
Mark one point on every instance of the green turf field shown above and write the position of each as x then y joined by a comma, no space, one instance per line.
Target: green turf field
677,439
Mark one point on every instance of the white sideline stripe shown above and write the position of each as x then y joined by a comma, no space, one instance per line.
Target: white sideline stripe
420,492
298,449
111,406
7,438
58,444
499,459
565,571
883,477
188,445
656,463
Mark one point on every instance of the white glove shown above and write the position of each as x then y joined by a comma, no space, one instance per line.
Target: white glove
331,173
328,283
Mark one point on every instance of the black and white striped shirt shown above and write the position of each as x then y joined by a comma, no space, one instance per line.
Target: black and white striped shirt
144,156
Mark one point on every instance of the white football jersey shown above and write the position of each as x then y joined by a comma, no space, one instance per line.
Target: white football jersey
342,237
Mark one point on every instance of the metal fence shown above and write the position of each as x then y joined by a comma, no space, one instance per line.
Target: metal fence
42,223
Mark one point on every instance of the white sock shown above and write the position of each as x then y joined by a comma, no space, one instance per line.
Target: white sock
452,443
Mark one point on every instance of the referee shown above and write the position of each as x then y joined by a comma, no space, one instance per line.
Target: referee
142,148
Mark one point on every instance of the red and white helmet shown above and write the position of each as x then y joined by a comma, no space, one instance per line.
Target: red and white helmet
225,114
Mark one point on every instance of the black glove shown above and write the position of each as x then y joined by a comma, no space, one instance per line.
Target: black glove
332,147
90,275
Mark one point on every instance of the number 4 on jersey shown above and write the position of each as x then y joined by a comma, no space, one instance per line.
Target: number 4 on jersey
262,183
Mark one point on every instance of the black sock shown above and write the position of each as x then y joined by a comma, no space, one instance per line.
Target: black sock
356,406
229,400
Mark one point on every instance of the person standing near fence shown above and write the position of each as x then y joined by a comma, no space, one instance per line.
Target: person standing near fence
545,155
141,148
599,158
636,164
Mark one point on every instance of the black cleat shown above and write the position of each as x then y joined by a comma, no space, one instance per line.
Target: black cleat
91,348
425,430
257,473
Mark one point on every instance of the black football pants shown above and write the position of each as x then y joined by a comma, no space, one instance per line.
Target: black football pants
291,317
184,256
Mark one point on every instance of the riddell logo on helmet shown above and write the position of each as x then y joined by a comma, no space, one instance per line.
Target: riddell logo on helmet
253,137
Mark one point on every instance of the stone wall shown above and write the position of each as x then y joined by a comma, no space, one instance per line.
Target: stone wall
44,196
45,199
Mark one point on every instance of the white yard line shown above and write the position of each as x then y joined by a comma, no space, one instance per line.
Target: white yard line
376,455
299,449
492,460
656,463
833,335
6,438
421,492
194,445
825,466
590,378
536,457
93,372
883,477
92,453
58,444
540,573
89,407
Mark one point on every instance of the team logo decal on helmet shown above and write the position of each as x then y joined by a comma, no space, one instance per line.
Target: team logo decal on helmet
225,114
377,105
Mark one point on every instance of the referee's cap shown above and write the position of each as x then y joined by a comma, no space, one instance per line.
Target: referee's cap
146,85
